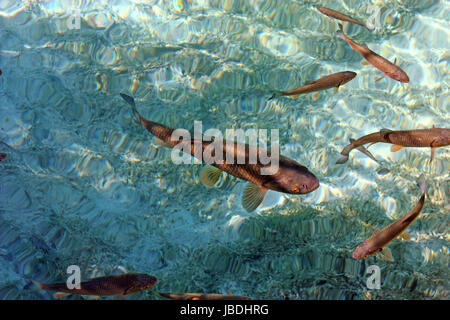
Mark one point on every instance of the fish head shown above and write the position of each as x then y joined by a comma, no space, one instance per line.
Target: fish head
294,179
399,75
364,251
347,76
142,282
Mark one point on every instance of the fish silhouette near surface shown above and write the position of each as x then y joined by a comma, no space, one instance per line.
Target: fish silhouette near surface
113,285
290,177
340,16
426,138
334,80
380,239
384,65
202,296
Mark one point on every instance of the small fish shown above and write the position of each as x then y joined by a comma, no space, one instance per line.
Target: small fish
432,138
334,80
202,296
118,285
380,239
340,16
291,177
3,156
388,68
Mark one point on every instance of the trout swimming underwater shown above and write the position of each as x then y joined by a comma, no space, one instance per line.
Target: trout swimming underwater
380,239
338,15
334,80
432,138
291,177
384,65
118,284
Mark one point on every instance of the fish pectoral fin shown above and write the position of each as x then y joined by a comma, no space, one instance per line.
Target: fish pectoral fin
405,235
316,96
396,148
365,63
229,293
336,89
295,96
59,295
209,176
386,254
253,196
163,143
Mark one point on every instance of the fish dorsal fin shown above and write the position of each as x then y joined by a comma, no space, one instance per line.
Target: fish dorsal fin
209,176
385,131
253,196
396,148
386,254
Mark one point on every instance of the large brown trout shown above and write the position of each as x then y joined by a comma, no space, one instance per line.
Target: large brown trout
426,138
338,15
290,176
334,80
117,285
384,65
380,239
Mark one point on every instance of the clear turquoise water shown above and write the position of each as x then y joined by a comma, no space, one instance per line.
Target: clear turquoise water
84,185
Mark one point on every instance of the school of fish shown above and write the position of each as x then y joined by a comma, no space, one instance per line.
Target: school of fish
291,177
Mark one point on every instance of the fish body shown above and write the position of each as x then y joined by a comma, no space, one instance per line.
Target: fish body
384,65
120,284
202,296
291,177
340,16
380,239
334,80
431,138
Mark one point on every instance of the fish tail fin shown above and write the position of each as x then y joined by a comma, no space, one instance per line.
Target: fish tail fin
36,285
274,95
130,100
345,152
342,159
421,183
